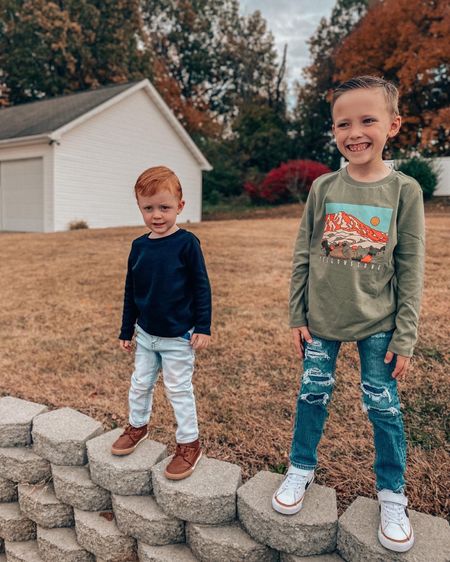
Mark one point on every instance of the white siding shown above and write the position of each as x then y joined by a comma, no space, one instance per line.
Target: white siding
97,163
443,169
442,165
25,153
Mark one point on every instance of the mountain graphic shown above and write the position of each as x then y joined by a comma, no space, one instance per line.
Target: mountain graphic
347,226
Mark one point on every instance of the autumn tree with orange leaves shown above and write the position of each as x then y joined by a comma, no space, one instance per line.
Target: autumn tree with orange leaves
408,42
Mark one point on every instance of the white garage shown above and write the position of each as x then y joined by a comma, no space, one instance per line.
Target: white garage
76,158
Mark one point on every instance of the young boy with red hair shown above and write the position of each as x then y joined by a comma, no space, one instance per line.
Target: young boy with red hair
168,301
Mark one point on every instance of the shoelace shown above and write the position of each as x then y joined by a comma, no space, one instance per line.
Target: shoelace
296,480
394,513
186,452
131,431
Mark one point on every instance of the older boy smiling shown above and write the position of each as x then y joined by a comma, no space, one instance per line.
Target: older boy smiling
357,276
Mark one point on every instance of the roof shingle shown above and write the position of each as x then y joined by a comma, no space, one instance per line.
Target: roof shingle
48,115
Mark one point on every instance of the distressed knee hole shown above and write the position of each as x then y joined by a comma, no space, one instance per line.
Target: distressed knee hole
390,411
378,399
312,398
314,351
375,393
316,376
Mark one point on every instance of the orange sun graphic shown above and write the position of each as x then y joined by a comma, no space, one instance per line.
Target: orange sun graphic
375,221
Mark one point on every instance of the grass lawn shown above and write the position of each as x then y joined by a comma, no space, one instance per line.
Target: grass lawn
61,304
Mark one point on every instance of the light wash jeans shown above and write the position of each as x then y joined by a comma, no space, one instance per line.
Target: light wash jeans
175,357
380,400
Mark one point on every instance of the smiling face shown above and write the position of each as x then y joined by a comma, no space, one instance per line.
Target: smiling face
160,211
362,123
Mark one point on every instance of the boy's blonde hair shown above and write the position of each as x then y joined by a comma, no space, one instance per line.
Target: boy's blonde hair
389,89
156,179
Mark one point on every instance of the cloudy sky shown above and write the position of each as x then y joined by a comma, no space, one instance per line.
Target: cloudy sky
292,22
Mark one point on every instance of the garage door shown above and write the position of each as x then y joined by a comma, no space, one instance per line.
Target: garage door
22,195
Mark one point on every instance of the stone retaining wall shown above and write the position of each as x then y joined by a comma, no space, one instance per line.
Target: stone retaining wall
65,498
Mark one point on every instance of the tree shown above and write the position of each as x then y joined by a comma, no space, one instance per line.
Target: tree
219,73
289,182
258,142
260,133
210,59
410,47
312,117
52,48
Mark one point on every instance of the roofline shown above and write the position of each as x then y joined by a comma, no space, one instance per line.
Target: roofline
32,139
159,102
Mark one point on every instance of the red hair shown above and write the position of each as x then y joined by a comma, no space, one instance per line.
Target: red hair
156,179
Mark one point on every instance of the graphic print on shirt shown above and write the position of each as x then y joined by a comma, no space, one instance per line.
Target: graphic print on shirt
357,233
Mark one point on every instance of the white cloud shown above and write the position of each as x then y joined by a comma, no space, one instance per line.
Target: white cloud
292,22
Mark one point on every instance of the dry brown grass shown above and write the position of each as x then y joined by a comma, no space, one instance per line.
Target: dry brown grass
61,299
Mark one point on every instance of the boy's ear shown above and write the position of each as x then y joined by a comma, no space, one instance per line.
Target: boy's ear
180,206
395,126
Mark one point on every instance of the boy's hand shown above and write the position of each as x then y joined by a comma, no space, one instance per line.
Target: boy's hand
299,335
126,345
200,341
401,365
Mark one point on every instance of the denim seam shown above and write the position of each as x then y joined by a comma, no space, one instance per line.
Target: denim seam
301,466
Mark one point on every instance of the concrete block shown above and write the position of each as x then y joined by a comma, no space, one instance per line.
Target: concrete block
16,417
23,552
170,553
73,485
21,464
39,503
8,490
334,557
358,536
102,537
60,436
128,475
226,543
60,545
14,525
311,531
208,496
142,518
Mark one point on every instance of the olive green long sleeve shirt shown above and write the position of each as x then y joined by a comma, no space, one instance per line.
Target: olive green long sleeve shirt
359,260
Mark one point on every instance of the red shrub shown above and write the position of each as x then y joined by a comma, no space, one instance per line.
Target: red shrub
289,182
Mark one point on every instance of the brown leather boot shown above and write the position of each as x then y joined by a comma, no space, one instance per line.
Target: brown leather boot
129,440
184,461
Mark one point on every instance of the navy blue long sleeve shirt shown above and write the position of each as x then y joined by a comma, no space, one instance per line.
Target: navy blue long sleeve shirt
167,289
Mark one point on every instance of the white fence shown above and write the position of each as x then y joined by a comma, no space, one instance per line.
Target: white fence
442,167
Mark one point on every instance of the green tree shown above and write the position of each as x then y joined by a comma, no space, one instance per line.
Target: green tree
220,74
52,48
261,136
312,118
211,57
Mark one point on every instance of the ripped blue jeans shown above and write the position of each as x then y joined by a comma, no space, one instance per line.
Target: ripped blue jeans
380,401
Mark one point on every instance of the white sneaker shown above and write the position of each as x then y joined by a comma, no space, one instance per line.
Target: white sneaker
395,531
288,499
